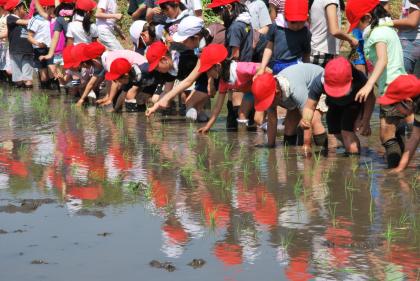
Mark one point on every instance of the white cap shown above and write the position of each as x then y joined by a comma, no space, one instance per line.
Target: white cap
189,26
136,29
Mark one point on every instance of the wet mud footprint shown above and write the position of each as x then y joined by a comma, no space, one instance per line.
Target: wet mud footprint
168,266
26,206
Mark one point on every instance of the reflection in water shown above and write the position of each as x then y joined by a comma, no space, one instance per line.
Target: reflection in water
332,218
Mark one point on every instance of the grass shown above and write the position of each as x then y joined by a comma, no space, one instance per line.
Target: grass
333,213
287,239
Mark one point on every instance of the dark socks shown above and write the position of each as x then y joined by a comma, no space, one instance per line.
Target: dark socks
321,140
290,140
231,122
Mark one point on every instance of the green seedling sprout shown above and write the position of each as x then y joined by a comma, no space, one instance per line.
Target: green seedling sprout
389,233
298,187
227,151
333,213
369,167
287,239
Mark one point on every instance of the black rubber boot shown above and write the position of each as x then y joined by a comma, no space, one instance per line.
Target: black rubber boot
321,140
290,140
231,120
182,109
393,152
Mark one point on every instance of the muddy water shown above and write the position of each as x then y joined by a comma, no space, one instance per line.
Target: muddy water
90,195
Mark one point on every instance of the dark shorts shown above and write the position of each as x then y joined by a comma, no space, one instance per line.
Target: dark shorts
390,113
342,118
202,82
44,63
147,90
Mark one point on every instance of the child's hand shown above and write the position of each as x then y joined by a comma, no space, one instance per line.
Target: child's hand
354,43
157,10
203,130
363,93
160,104
305,124
259,72
118,16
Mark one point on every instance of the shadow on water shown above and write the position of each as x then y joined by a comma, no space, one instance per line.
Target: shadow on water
210,207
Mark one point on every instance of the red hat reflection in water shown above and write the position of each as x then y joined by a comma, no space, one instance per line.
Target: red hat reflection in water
298,267
266,212
229,254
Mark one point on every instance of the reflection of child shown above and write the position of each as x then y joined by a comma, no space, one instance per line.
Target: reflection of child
4,45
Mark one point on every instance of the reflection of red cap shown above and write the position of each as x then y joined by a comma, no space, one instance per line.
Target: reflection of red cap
85,5
229,254
402,88
47,3
118,68
176,234
220,212
407,258
266,212
219,3
356,9
86,193
93,50
337,77
10,5
158,2
246,198
154,53
18,169
160,194
296,10
297,269
67,1
264,90
211,55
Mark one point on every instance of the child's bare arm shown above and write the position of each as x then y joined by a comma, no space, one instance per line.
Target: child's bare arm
214,114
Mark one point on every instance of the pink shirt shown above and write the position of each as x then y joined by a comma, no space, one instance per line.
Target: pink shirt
133,57
245,72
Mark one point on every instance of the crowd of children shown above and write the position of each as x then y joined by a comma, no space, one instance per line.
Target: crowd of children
271,60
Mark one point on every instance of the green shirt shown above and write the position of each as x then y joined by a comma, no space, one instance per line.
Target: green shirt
395,66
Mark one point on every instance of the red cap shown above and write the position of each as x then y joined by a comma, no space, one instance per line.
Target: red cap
402,88
296,10
154,53
77,54
219,3
93,50
85,5
46,3
118,68
69,60
264,90
337,77
10,5
2,2
67,1
356,9
158,2
211,55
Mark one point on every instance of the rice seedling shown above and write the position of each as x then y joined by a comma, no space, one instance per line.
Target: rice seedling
354,165
287,239
414,182
227,151
332,210
389,234
317,157
245,169
147,190
298,187
187,173
132,186
285,152
369,168
22,150
403,220
201,162
212,219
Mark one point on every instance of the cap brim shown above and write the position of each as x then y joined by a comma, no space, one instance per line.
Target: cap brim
337,92
179,38
297,18
152,66
111,76
264,104
214,5
353,26
204,68
385,100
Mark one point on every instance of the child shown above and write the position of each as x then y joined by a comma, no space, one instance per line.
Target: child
4,45
288,46
239,33
383,48
175,11
39,36
260,17
21,53
404,94
289,89
81,29
106,17
409,27
341,82
142,35
326,33
90,58
233,76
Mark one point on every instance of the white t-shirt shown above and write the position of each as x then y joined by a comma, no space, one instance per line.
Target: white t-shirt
3,26
322,41
75,30
41,29
109,7
192,6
